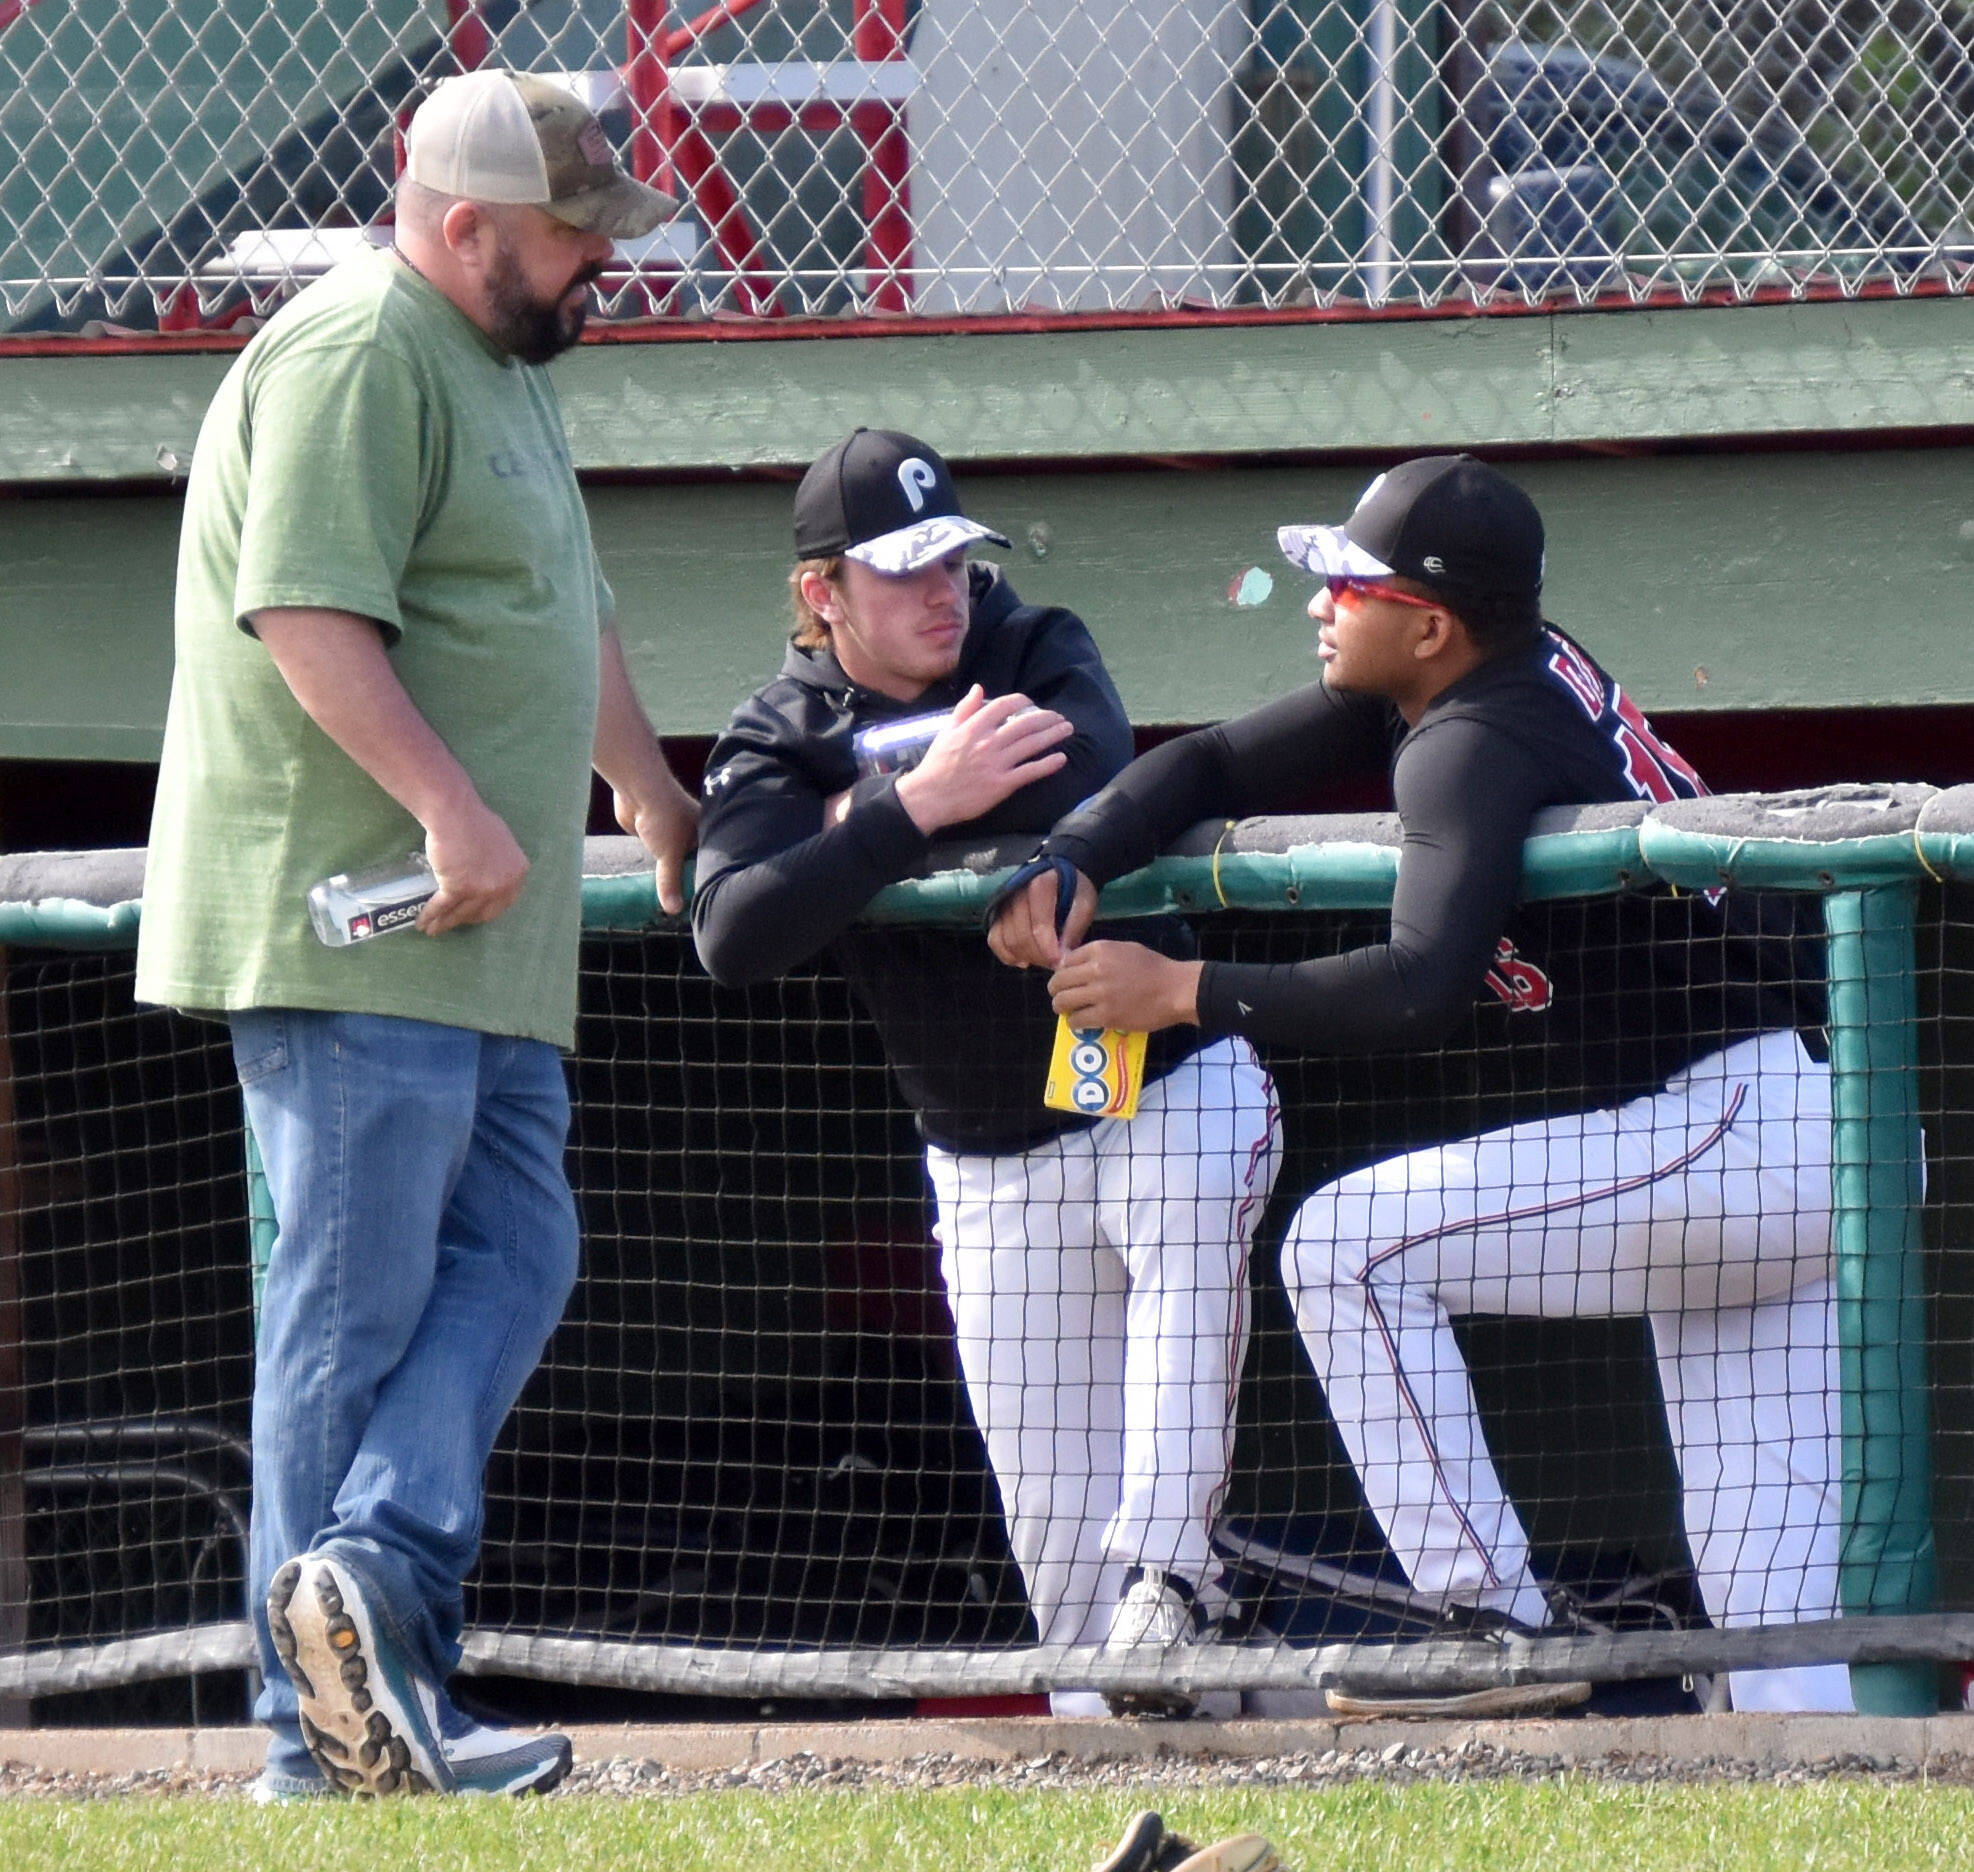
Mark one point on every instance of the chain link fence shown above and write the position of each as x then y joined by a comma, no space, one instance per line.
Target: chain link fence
163,166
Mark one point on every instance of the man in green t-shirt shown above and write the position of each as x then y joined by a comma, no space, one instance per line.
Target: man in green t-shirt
392,634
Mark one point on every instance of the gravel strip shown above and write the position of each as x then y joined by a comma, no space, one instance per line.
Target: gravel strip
1395,1762
624,1777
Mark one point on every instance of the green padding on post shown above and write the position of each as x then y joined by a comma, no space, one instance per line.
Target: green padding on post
1705,860
1887,1561
65,923
1339,876
1947,854
629,902
1315,877
1581,864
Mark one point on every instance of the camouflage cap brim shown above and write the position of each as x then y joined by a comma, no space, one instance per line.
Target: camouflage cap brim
1329,552
622,209
917,545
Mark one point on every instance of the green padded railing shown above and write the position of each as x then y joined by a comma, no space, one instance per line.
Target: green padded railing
1864,850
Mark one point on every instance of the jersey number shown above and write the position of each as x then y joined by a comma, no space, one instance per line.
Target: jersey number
1649,764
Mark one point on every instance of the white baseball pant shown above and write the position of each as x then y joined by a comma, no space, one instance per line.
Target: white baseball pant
1098,1283
1704,1207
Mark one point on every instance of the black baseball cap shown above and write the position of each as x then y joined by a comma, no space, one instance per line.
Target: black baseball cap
1449,521
885,500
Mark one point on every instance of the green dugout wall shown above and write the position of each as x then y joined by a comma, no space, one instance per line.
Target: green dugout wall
1766,506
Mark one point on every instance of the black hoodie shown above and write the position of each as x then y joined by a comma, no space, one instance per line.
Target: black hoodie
968,1039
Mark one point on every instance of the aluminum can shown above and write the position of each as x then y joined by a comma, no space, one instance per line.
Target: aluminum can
896,746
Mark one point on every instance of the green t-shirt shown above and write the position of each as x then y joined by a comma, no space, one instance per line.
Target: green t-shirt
371,451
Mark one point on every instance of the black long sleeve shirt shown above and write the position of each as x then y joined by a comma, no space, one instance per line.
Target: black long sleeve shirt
1617,994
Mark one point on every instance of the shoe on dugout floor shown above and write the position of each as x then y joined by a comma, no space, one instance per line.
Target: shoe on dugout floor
1157,1609
370,1721
1528,1699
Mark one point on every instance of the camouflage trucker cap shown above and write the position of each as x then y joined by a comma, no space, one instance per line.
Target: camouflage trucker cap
517,138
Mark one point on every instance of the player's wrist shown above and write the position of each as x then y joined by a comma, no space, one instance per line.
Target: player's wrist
1182,998
923,802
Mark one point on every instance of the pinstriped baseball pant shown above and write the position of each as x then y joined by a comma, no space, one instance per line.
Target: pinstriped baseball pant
1706,1208
1098,1284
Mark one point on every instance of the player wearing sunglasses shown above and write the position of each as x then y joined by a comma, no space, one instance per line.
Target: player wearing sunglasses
1675,1162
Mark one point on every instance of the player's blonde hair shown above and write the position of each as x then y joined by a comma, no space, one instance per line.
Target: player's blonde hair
811,632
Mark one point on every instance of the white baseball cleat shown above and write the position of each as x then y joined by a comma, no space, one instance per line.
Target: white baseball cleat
1155,1611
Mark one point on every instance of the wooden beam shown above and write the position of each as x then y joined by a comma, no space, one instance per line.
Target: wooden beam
708,400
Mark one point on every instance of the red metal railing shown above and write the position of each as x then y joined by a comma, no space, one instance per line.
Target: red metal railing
877,37
671,145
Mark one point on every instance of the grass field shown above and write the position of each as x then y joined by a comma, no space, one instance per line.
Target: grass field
1576,1823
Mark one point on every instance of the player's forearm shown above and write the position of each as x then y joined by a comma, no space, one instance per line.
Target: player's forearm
647,796
759,918
1372,1000
1098,750
1148,805
1258,762
336,666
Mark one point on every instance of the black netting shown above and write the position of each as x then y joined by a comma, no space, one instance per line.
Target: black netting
752,1431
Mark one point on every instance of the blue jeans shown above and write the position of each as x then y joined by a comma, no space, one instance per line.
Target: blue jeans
426,1247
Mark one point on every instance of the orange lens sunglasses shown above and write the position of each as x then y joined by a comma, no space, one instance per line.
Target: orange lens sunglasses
1343,586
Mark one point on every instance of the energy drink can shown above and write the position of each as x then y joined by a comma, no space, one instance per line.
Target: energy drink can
354,906
896,746
1096,1071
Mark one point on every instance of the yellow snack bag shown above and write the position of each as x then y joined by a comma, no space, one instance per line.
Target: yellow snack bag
1096,1071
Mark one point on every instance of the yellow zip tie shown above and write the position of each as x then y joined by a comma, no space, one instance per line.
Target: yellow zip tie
1225,834
1919,851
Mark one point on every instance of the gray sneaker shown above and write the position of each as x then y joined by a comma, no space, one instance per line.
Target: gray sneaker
485,1759
369,1719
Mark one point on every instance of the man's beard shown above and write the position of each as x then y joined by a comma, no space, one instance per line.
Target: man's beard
528,328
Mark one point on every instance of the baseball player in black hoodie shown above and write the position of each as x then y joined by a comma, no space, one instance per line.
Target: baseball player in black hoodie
1096,1270
1677,1160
